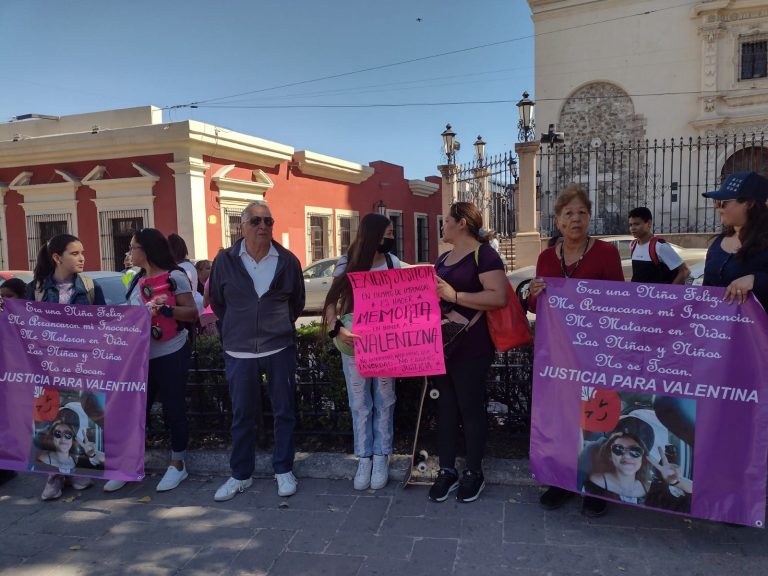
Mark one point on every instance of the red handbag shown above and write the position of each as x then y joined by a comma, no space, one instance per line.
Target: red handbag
509,326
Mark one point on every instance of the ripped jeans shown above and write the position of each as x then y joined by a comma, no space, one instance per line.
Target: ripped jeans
372,403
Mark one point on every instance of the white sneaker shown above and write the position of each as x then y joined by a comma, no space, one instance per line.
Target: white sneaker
286,484
172,478
363,475
114,485
231,488
380,474
80,483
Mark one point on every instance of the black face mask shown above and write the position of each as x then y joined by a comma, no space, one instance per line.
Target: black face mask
386,245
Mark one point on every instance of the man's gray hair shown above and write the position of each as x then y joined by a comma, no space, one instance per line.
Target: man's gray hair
247,209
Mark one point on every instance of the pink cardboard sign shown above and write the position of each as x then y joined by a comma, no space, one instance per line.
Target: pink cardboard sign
397,316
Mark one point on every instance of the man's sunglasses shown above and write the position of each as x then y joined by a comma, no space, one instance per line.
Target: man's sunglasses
59,434
256,220
634,451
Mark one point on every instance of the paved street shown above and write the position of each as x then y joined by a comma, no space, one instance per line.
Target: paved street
328,528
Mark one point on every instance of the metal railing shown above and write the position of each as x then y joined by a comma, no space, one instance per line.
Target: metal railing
667,176
491,184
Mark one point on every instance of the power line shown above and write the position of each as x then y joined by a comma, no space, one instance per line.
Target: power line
199,103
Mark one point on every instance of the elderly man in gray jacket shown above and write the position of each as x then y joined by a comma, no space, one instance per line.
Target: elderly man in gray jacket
257,292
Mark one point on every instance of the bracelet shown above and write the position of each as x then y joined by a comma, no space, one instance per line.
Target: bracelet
335,331
456,298
675,483
166,311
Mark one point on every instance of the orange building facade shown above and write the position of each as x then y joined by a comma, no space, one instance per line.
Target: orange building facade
102,175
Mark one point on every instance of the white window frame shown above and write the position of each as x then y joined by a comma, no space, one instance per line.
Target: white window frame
749,39
236,194
401,252
326,213
353,215
425,218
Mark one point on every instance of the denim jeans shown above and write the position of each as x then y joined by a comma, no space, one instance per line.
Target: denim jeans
244,378
372,402
167,379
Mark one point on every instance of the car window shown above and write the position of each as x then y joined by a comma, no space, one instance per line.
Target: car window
113,289
328,270
623,247
312,271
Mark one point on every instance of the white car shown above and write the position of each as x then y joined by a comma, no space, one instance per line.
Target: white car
521,277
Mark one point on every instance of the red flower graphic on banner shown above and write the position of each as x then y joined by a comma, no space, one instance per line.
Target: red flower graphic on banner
47,405
601,411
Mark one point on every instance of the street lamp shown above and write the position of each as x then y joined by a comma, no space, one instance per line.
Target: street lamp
479,149
382,208
513,169
450,144
526,124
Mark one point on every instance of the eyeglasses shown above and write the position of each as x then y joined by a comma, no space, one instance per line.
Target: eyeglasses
59,434
723,203
619,450
256,220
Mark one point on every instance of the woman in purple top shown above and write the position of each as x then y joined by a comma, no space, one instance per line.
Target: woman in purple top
470,278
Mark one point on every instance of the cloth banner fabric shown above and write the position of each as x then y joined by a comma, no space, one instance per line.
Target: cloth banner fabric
653,395
73,383
397,316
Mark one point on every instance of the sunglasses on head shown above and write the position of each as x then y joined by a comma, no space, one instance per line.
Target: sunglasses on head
256,220
59,434
619,450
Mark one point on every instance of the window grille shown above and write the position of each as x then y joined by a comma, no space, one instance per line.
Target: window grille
233,218
116,227
422,239
43,227
754,60
345,234
397,226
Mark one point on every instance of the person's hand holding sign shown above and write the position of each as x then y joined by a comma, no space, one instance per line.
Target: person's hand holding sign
446,292
670,473
347,336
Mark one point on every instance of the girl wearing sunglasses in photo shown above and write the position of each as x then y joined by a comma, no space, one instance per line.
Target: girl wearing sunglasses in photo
623,469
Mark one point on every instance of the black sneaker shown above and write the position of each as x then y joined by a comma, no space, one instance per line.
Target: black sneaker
447,481
593,507
472,483
554,497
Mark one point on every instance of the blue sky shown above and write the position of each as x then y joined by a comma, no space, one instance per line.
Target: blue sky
73,57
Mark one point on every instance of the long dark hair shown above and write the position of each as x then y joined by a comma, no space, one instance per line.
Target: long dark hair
359,258
158,253
754,234
178,247
45,265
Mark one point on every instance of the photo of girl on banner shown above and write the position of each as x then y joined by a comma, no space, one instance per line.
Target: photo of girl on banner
68,432
637,448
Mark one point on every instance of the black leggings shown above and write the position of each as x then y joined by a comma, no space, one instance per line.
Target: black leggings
462,398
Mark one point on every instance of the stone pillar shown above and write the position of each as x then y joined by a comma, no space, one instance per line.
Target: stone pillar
449,190
481,175
191,220
527,241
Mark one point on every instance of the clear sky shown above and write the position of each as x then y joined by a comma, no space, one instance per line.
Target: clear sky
86,55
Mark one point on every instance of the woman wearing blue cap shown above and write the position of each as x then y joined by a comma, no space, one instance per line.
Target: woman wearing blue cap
738,259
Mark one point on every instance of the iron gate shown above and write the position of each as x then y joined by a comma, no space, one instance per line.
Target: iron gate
491,185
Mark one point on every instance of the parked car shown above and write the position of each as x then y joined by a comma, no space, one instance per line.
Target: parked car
111,283
318,277
520,278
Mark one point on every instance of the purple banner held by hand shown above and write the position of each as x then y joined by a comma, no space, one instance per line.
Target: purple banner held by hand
73,385
652,395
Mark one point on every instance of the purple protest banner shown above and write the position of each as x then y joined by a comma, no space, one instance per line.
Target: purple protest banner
73,389
653,395
397,316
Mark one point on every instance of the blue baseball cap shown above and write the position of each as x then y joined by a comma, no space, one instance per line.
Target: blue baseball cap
746,185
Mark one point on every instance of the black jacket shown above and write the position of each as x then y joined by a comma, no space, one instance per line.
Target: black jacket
249,323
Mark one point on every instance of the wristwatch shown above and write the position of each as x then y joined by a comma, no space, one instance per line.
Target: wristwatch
166,311
336,327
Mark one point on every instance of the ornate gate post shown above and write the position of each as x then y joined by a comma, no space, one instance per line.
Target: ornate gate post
449,191
527,241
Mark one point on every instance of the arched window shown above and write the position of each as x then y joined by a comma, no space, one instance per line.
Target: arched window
749,159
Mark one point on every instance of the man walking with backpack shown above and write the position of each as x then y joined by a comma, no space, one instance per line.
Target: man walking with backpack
653,260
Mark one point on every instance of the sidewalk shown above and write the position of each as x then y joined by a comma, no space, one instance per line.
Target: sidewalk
328,528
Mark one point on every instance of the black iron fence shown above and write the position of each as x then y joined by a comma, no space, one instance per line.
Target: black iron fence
667,176
490,184
322,409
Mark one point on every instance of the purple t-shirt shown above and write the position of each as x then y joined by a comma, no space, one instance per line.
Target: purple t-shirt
464,277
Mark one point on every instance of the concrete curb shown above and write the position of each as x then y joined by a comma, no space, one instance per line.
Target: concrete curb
332,465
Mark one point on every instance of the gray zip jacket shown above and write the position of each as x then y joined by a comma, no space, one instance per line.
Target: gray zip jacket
249,323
